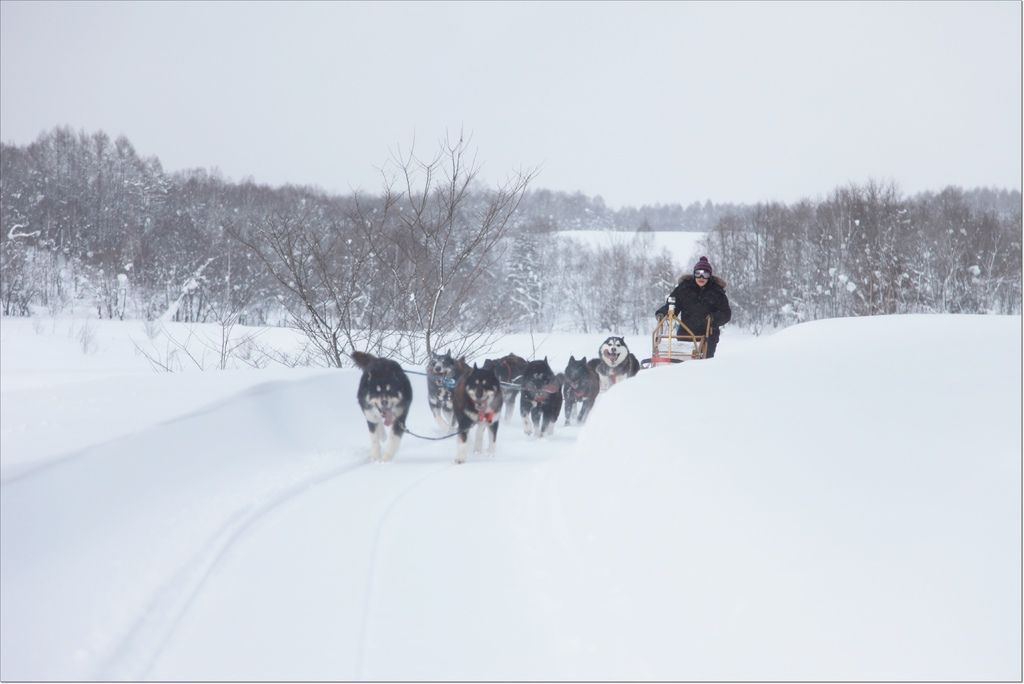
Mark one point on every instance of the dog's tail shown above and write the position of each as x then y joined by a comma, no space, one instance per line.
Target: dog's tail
362,359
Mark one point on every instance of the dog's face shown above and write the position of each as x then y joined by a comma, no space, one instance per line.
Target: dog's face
613,351
576,371
383,397
441,364
482,388
537,375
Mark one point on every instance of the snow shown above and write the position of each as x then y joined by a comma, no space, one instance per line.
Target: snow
840,500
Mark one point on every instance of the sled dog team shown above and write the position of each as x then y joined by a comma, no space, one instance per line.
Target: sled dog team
463,396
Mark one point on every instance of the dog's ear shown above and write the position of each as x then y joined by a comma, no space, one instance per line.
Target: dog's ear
572,359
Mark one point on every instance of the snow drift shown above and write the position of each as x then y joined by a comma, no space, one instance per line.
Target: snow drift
840,500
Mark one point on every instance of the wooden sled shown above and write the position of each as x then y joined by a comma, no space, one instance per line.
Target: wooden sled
673,342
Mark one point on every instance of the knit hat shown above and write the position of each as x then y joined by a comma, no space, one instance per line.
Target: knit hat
703,265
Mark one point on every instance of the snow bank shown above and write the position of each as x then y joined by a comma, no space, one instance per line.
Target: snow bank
839,501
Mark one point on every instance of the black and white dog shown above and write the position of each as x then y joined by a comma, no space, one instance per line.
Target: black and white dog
477,401
384,395
581,387
614,362
443,374
508,369
541,399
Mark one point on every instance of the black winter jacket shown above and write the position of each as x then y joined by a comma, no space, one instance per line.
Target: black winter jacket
694,303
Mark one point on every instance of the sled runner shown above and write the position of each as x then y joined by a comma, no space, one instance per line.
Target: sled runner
674,342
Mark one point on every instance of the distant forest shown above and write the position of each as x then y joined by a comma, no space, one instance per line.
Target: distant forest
86,222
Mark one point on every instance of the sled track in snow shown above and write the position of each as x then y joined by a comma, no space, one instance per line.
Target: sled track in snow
133,658
371,570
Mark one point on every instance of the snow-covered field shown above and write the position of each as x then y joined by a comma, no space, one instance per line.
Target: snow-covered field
837,501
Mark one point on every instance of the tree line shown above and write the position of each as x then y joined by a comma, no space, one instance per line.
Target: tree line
867,250
433,260
436,260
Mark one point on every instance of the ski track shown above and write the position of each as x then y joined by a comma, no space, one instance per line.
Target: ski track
139,650
136,654
373,560
142,648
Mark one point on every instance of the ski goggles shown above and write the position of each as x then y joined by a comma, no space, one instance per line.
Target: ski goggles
701,274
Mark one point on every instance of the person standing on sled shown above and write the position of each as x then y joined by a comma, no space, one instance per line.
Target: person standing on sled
699,295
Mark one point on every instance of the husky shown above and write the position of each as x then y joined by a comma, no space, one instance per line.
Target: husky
477,401
384,395
540,401
614,362
582,385
443,373
508,369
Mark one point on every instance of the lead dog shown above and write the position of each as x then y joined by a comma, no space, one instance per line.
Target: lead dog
384,395
541,399
477,401
581,387
614,362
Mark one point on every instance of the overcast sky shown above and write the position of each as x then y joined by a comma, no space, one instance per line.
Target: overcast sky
635,102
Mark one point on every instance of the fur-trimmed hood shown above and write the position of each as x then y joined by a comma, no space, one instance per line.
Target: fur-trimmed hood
714,279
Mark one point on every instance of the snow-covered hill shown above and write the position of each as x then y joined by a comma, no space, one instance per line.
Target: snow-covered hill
840,500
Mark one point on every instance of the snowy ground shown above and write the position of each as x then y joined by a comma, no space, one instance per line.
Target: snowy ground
840,500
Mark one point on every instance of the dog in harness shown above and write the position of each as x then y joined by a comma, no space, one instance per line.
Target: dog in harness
614,362
477,401
540,400
580,390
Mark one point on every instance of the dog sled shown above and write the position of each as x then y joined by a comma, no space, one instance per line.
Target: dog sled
674,342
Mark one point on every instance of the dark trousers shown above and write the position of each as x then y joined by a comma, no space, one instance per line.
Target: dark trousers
712,345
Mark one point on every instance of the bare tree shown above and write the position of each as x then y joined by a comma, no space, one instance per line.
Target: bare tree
444,241
325,267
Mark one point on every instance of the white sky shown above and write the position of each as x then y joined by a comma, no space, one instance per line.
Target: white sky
638,102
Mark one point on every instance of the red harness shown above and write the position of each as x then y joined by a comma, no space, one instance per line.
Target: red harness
484,415
544,392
